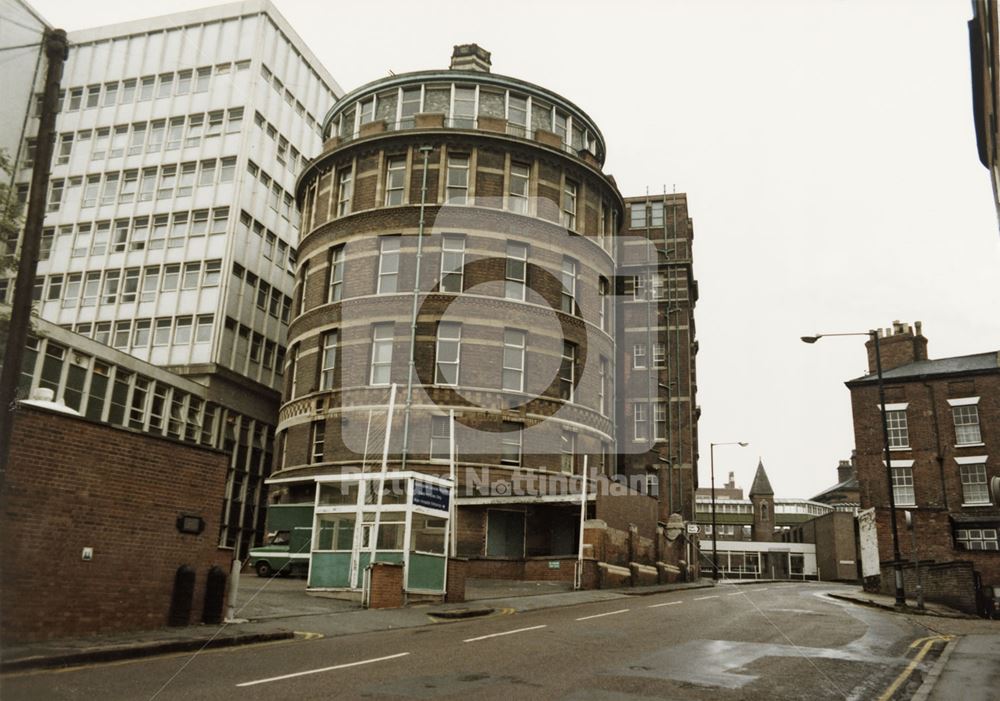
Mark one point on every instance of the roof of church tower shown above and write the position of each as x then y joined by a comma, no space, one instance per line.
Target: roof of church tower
761,485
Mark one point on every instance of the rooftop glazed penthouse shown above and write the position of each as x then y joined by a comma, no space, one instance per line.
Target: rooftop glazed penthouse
457,242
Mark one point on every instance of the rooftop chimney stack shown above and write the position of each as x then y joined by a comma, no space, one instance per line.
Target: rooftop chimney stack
845,471
470,57
900,345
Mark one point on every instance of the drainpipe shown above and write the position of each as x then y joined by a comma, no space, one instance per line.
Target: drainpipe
426,150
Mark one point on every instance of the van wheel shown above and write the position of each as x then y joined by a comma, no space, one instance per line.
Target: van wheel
264,569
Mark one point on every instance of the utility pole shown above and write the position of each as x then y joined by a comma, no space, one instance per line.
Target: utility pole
56,50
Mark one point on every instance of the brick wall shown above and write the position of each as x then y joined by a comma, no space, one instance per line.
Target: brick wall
74,483
950,583
386,586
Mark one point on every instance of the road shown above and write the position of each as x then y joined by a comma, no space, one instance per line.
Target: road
766,641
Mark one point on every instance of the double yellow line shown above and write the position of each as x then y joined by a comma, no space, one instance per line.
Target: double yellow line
925,645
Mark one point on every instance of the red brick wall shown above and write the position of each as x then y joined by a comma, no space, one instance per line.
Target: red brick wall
948,583
386,586
74,483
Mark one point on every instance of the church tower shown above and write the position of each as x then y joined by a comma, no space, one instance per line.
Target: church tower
762,498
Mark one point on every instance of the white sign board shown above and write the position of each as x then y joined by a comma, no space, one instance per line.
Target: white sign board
693,528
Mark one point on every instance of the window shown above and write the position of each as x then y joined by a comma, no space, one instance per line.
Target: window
234,121
568,299
207,174
178,230
192,271
336,287
569,205
409,105
457,186
602,387
516,273
899,436
90,190
65,148
514,343
158,235
559,125
213,272
659,355
449,351
966,419
656,214
639,356
119,139
93,95
567,372
141,337
604,305
452,263
517,114
328,360
202,79
161,336
510,443
977,539
130,286
168,179
902,486
147,185
640,422
317,442
345,191
100,244
440,438
382,336
175,133
659,421
182,331
146,87
185,185
975,489
165,85
517,193
171,277
55,195
110,191
183,83
395,176
150,283
203,329
130,183
228,170
567,449
91,287
388,265
638,216
75,99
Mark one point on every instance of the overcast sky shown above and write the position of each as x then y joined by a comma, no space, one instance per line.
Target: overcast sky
827,150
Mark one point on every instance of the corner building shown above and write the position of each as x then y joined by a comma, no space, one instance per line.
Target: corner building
494,188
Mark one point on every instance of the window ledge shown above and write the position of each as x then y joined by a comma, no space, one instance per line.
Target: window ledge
977,505
969,445
902,448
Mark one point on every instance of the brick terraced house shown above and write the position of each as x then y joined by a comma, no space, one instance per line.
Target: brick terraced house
944,436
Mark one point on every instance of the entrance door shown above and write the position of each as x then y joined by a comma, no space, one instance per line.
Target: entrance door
504,533
778,560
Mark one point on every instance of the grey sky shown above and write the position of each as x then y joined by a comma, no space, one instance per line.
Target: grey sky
828,153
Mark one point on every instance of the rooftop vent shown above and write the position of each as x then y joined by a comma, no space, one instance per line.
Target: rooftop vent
470,57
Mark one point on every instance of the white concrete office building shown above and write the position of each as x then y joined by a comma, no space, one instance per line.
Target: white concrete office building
171,228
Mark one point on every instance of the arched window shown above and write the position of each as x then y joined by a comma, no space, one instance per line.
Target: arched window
763,511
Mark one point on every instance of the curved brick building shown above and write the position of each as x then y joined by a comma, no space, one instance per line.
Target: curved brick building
492,188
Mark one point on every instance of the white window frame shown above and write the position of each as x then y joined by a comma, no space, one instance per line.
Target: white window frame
511,437
383,337
452,262
638,356
388,264
567,380
569,276
640,422
457,194
519,188
395,181
335,289
515,343
328,359
570,192
517,257
449,336
975,482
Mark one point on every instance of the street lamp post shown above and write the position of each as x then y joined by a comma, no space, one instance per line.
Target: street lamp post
715,530
896,560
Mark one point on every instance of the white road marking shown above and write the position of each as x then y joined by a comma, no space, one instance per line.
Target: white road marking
323,669
669,603
598,615
735,593
753,590
702,598
506,632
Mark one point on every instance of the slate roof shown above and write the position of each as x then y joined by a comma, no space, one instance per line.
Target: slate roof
761,485
943,366
850,483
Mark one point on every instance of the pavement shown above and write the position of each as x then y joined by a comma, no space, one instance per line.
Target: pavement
279,609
